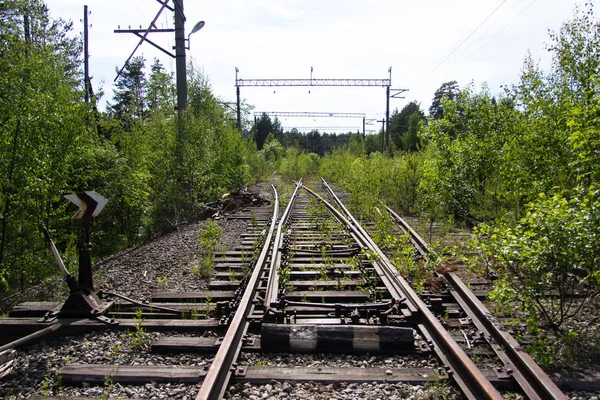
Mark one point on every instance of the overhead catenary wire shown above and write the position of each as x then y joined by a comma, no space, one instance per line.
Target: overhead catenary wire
462,42
141,10
492,27
502,30
170,43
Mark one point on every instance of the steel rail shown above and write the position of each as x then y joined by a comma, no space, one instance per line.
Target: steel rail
466,374
216,380
416,239
398,295
33,336
271,300
531,378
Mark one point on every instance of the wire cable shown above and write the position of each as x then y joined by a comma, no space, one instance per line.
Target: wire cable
494,26
502,30
462,42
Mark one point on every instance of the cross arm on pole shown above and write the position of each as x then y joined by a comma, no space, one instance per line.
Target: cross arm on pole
135,31
397,93
154,44
146,32
164,3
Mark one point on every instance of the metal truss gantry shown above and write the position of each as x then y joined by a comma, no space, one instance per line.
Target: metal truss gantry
322,128
313,82
387,83
309,114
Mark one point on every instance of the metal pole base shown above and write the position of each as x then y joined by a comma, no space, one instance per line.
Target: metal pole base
83,303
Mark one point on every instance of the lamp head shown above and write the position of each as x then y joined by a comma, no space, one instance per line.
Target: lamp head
197,27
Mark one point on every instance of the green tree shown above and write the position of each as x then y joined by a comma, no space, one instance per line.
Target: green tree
263,126
410,140
129,99
400,126
160,90
273,150
449,91
41,137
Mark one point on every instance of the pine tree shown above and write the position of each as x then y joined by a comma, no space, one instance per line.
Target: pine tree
129,100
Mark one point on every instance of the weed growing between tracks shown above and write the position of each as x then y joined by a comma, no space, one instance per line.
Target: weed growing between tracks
208,239
52,382
207,305
162,282
139,338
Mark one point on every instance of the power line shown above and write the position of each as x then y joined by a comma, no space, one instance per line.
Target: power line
462,42
170,43
495,25
502,30
141,11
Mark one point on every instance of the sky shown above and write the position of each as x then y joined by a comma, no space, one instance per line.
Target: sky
426,43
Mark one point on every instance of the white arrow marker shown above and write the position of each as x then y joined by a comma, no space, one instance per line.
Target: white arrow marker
73,198
87,200
101,202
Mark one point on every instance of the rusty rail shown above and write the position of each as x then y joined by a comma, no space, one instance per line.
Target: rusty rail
466,374
533,380
272,294
217,378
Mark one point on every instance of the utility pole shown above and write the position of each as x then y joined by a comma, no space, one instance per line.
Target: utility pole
239,113
86,61
364,134
390,93
180,67
180,56
387,116
382,134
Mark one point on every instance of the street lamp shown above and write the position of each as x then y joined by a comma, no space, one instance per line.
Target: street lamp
195,29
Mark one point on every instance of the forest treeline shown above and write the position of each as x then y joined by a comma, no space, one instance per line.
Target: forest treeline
522,166
52,142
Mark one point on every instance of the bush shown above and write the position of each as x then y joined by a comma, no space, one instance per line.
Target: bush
549,256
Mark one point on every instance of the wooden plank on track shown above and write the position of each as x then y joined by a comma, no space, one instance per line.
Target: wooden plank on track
24,326
331,375
326,375
309,267
586,380
76,374
316,274
33,309
223,285
344,283
186,344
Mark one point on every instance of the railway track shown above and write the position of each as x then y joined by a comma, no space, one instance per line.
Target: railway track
309,278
